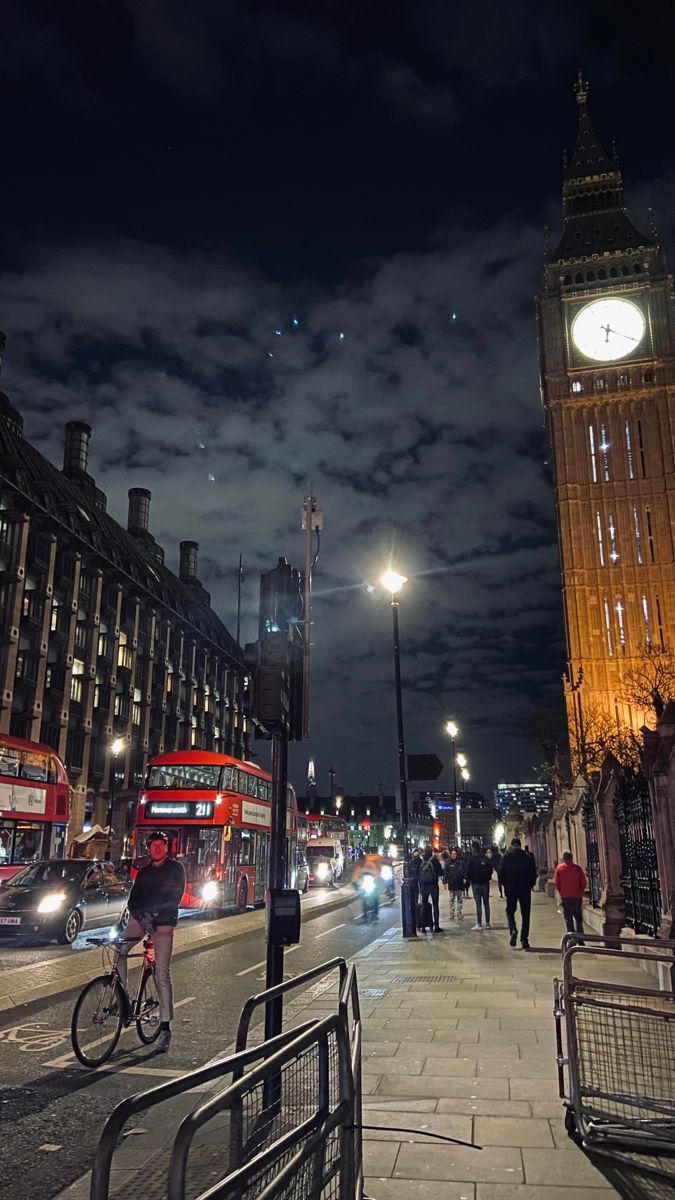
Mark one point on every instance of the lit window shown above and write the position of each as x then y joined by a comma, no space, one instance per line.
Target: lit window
608,627
591,439
629,451
622,631
645,613
604,450
611,528
576,385
638,539
600,545
599,383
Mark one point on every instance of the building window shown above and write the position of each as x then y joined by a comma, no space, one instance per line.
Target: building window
648,377
599,383
659,622
642,449
638,539
576,385
611,528
622,631
608,628
650,535
591,439
600,545
623,380
629,452
645,613
604,450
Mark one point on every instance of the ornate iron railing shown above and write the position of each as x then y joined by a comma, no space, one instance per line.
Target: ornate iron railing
590,821
639,866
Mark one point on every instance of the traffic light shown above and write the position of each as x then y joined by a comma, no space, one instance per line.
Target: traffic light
281,644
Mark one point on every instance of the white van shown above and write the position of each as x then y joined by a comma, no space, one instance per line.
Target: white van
326,861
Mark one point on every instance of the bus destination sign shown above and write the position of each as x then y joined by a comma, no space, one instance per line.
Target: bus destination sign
187,810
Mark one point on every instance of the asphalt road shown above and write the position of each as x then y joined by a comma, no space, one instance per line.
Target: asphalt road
51,1109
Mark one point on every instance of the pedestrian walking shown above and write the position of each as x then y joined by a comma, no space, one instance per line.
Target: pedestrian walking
454,881
518,872
430,873
496,861
479,874
415,864
570,883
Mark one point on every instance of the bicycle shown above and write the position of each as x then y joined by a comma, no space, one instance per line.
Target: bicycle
104,1006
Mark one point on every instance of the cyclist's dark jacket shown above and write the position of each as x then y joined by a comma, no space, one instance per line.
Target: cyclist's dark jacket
158,890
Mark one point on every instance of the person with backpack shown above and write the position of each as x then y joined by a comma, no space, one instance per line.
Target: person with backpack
455,877
430,873
479,874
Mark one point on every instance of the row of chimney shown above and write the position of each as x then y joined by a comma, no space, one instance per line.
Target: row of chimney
75,459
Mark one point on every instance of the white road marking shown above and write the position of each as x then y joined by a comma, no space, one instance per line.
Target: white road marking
263,963
67,1060
327,931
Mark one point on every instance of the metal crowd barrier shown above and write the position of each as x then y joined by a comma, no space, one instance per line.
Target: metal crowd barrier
620,1056
289,1115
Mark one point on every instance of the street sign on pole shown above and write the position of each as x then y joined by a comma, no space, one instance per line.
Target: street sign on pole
424,766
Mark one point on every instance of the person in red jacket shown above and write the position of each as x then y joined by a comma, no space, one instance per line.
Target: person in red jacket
570,882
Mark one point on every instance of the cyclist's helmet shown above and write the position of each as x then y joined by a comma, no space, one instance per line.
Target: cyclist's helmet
158,835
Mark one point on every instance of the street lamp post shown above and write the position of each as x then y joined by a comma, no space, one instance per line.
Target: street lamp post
452,729
115,749
393,582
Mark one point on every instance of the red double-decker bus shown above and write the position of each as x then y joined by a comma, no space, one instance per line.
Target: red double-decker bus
326,825
215,811
34,804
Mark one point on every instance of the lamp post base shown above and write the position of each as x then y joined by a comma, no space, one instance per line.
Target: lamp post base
408,898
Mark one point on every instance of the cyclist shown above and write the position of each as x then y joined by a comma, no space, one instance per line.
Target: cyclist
153,904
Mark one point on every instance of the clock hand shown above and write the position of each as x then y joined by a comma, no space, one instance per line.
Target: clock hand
619,333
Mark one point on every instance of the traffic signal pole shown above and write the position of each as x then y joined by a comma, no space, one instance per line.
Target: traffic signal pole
278,873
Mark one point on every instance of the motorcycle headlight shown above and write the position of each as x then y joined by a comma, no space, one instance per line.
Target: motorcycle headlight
368,883
210,890
51,903
387,873
322,871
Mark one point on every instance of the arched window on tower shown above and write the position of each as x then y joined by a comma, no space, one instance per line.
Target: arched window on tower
590,277
613,273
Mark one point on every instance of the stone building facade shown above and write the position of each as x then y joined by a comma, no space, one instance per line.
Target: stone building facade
606,325
99,639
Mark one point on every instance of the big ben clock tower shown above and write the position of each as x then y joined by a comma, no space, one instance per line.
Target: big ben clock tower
607,357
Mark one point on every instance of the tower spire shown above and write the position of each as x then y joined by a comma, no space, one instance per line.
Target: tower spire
589,157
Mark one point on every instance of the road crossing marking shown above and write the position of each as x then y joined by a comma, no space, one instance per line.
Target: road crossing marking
327,931
263,963
67,1060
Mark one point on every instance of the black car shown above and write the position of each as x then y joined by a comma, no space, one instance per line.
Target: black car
58,898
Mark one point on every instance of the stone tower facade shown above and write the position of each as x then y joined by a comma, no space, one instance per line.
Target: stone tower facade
606,327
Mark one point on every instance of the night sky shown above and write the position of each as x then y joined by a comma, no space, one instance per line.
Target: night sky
255,244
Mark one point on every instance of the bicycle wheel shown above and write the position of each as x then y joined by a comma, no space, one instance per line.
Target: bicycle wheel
97,1020
148,1019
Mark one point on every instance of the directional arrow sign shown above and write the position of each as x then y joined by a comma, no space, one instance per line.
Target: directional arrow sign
424,766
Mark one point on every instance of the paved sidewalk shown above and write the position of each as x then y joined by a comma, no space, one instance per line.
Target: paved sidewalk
57,974
458,1041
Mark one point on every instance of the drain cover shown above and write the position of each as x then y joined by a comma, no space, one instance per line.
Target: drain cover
372,992
423,979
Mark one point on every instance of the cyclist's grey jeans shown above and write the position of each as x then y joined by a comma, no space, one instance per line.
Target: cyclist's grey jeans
163,939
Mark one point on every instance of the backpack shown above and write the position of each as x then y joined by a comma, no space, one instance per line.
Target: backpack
428,872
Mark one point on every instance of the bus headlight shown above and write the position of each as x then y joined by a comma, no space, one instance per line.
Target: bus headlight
322,871
210,890
51,903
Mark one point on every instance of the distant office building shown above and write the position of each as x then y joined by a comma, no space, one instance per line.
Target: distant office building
529,797
462,818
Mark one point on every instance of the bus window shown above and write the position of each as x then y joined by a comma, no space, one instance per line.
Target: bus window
264,787
9,762
226,779
34,767
246,849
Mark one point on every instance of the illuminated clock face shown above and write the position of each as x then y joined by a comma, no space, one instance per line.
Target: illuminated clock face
605,330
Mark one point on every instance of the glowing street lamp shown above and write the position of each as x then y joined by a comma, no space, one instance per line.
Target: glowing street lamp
462,761
452,729
115,749
465,776
393,582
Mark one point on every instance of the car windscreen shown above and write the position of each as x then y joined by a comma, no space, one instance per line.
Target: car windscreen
48,873
320,852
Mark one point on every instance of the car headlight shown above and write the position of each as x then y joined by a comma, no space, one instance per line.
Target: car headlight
322,871
210,890
387,873
51,903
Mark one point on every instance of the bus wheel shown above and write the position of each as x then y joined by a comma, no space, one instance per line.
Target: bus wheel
242,898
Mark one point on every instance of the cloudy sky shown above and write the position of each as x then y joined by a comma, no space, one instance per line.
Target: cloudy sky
259,243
